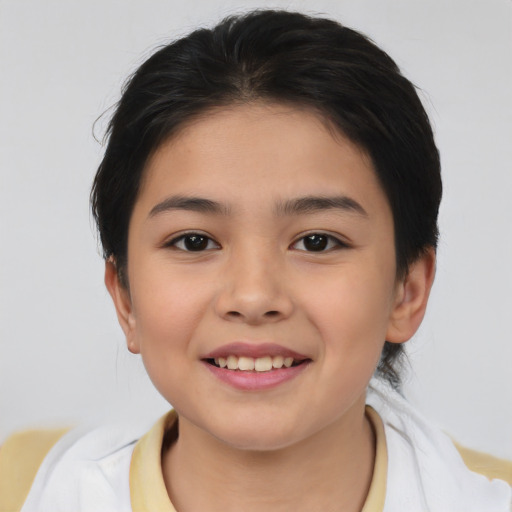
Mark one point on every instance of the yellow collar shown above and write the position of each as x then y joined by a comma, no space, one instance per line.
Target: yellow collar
147,487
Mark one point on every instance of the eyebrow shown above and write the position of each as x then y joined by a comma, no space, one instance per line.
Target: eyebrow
298,206
313,204
194,204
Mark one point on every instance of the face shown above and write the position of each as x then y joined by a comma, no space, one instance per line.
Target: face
260,240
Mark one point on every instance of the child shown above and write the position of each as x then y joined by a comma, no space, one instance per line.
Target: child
267,205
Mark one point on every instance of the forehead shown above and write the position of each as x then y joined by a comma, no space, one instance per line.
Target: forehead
274,151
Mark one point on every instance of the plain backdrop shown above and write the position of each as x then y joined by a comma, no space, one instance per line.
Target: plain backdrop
62,64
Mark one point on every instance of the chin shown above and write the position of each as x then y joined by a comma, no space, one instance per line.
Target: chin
257,437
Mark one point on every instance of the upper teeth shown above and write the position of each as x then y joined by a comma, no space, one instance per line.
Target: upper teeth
260,364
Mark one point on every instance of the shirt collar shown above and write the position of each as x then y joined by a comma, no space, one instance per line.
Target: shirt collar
147,486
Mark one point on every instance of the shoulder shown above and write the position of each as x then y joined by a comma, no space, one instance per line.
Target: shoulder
20,458
487,465
86,469
437,473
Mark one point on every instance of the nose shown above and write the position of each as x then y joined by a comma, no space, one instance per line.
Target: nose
254,288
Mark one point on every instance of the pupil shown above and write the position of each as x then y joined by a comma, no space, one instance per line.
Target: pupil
315,242
196,242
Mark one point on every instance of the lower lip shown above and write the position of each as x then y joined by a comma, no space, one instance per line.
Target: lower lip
256,381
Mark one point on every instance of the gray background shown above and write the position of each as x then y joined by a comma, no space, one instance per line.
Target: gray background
62,354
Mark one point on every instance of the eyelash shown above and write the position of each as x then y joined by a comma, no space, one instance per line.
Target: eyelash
331,242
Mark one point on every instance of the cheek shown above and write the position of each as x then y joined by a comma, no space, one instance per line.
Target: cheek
166,318
167,308
352,312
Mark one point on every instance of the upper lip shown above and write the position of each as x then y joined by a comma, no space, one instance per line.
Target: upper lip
242,349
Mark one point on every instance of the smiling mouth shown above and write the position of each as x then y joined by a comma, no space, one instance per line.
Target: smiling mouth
258,364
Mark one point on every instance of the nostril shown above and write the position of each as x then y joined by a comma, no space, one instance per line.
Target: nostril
252,316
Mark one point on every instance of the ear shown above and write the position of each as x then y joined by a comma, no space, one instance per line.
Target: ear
411,298
123,304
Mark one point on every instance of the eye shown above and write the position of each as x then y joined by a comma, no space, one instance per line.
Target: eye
193,242
317,242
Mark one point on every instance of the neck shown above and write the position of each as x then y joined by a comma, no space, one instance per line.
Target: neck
331,470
